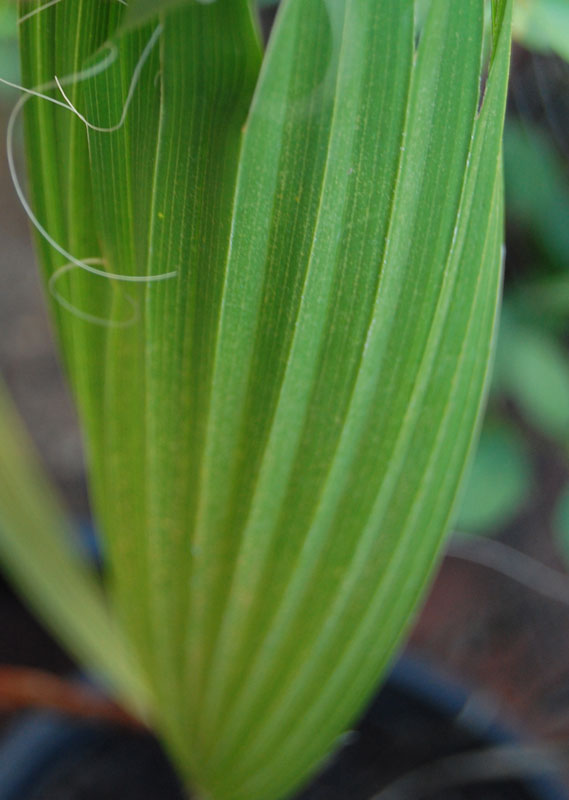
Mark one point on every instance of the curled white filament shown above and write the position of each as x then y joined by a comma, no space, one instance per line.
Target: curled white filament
84,315
37,10
87,265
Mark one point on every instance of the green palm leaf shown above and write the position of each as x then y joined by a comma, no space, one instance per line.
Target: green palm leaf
281,374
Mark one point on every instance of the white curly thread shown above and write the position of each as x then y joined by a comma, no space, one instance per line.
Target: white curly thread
84,315
40,92
134,80
38,10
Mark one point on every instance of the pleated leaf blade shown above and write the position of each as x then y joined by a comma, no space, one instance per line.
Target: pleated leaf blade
342,408
280,400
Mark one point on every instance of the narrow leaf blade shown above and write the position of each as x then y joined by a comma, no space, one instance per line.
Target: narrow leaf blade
44,563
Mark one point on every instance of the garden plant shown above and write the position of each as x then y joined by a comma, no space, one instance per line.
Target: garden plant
274,279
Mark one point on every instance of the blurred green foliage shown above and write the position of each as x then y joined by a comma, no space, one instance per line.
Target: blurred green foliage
537,189
529,397
500,479
533,369
543,25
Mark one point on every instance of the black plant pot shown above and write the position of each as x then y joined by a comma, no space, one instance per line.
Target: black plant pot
417,719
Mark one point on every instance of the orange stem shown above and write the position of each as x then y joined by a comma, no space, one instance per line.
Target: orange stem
22,687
